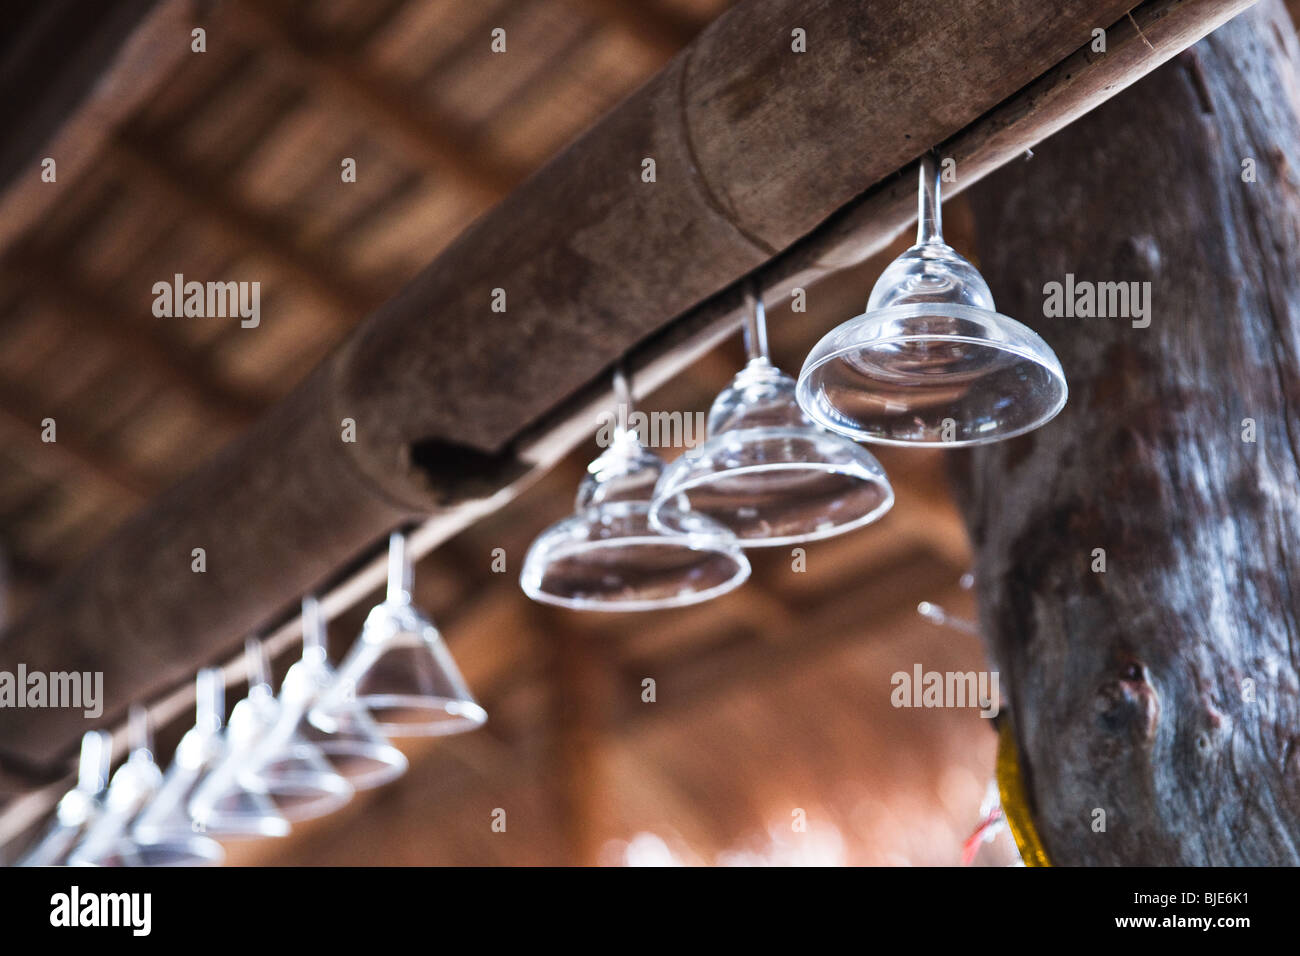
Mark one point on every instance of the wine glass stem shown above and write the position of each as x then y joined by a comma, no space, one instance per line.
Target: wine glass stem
255,664
929,221
313,626
141,736
755,324
210,699
399,569
96,757
622,399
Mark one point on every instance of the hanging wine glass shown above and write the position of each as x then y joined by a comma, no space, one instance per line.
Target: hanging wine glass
400,670
109,841
301,785
354,748
78,807
608,557
931,362
767,472
167,817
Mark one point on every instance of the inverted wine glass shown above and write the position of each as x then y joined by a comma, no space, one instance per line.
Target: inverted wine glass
354,748
767,472
931,361
300,785
109,840
608,557
400,670
78,807
202,749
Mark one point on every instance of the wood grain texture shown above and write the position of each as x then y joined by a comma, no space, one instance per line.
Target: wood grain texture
1164,691
592,259
594,263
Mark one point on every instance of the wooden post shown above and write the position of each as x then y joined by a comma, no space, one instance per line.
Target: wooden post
1137,558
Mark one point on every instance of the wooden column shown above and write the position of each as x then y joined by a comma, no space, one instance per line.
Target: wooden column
585,699
1162,692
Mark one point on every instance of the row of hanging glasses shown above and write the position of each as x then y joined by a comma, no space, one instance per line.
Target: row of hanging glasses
279,759
930,363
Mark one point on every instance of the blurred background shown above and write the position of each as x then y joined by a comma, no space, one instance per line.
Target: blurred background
773,703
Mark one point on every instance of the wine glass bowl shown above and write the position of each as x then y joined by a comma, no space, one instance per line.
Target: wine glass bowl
767,473
249,790
401,672
354,748
932,374
931,361
778,486
610,558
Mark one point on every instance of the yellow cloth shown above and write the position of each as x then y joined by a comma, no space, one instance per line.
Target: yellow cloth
1014,805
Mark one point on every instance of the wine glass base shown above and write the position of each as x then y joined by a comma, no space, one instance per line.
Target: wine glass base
397,715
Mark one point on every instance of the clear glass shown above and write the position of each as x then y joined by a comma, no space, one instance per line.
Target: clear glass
109,840
608,557
246,786
78,807
931,361
355,748
400,670
767,473
167,817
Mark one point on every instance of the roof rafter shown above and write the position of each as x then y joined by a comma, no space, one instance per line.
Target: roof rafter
90,309
433,142
208,200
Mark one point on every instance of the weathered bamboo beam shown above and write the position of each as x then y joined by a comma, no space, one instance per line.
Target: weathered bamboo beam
1137,557
754,146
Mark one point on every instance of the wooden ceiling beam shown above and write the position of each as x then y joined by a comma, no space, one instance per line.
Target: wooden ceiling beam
455,403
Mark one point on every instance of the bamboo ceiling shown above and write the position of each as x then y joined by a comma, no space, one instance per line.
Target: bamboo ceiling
232,168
